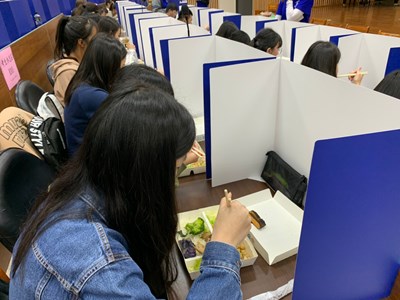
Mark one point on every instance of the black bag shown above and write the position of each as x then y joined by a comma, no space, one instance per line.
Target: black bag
48,136
282,177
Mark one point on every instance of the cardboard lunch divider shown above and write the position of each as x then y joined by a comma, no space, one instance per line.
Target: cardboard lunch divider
120,5
179,62
144,26
350,240
129,11
165,32
204,16
195,12
216,19
135,32
253,24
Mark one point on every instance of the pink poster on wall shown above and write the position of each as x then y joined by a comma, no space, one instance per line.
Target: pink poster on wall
9,68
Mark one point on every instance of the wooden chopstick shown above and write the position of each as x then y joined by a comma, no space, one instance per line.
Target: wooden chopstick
228,199
352,74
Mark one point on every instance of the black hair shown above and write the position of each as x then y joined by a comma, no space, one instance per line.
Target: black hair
69,31
128,156
100,63
171,6
108,25
141,73
390,84
322,56
266,39
185,13
92,16
226,29
240,36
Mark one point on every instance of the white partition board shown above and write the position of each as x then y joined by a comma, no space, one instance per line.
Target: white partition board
285,30
217,19
248,24
122,8
145,25
350,49
203,16
195,12
242,132
168,32
135,31
189,89
130,11
311,106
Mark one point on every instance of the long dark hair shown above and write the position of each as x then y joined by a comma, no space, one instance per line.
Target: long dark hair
69,31
226,29
100,63
108,25
322,56
266,39
128,155
390,84
141,73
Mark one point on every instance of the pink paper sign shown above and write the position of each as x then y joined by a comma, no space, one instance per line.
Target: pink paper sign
9,68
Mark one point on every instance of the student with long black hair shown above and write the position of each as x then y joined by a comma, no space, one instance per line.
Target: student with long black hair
390,84
72,38
267,40
106,228
91,85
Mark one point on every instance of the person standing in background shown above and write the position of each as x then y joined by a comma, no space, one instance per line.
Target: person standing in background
297,10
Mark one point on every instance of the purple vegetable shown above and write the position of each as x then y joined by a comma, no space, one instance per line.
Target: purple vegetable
187,248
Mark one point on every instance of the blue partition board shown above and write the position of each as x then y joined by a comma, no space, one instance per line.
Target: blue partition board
207,102
127,9
235,19
65,7
141,36
350,240
4,38
393,62
53,9
17,16
261,24
335,38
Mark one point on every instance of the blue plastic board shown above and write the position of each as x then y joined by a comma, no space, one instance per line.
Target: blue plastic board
17,16
393,62
350,239
235,19
53,9
4,38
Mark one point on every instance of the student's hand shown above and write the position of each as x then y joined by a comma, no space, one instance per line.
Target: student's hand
233,223
129,45
356,79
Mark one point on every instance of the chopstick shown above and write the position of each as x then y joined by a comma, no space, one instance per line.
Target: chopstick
352,74
228,199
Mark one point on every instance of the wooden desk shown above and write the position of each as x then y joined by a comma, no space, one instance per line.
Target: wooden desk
196,192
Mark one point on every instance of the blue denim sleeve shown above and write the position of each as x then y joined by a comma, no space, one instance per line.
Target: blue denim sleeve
220,277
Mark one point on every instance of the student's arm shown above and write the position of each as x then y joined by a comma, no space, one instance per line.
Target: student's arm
293,14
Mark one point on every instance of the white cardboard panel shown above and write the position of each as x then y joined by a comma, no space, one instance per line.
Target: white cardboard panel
123,7
350,49
168,32
217,19
308,111
242,132
127,12
305,37
145,26
204,16
195,9
248,24
186,57
136,19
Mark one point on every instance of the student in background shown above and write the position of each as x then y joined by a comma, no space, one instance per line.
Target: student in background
241,37
171,10
267,40
324,56
185,15
298,10
226,29
72,38
90,86
390,84
113,213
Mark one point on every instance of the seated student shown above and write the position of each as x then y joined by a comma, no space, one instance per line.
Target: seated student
267,40
90,86
185,15
324,56
241,37
226,29
159,5
298,10
171,10
107,226
390,84
72,37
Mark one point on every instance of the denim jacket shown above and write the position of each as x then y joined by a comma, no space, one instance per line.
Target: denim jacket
82,258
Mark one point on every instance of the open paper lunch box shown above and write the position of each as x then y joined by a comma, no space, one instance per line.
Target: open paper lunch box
278,240
208,215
